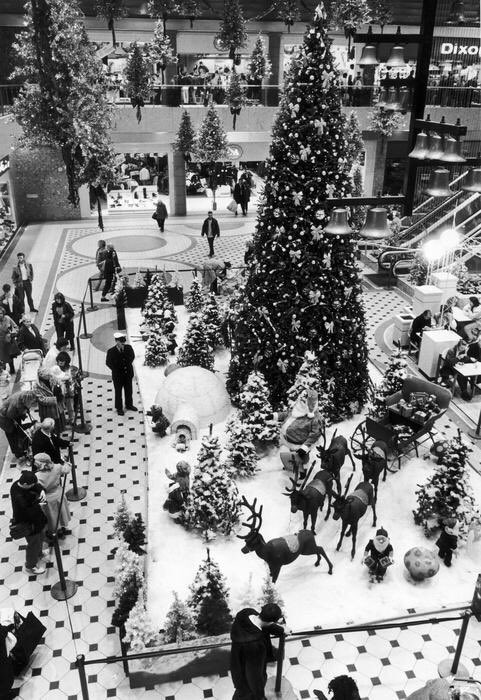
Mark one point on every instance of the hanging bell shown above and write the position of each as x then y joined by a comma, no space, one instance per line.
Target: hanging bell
405,99
396,57
456,13
473,181
375,227
452,151
383,96
420,149
438,183
338,225
392,100
368,56
435,150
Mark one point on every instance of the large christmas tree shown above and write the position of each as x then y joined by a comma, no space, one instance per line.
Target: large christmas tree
303,289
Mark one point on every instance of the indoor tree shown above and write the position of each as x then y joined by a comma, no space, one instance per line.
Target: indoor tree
179,624
163,9
232,31
303,290
211,145
160,48
381,12
111,10
63,101
138,79
195,349
259,64
355,144
288,11
185,140
209,599
235,97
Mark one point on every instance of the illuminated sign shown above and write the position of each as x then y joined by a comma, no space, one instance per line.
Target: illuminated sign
450,49
234,152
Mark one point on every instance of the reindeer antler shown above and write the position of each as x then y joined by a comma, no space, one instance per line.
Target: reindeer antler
288,490
348,483
322,448
252,519
308,474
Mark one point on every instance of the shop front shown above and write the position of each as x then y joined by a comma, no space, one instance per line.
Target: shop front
140,180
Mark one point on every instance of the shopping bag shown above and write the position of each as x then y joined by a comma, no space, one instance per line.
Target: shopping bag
232,206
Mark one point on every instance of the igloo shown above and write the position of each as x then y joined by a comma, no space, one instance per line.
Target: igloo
197,388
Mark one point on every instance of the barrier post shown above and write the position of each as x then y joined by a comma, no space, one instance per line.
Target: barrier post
75,493
280,662
84,335
476,434
451,666
80,663
92,306
84,427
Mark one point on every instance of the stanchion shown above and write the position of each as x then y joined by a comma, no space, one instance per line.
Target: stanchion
80,663
84,335
92,306
280,662
64,588
75,493
84,427
451,666
476,434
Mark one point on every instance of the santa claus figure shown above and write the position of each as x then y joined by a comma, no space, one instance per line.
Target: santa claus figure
302,428
378,555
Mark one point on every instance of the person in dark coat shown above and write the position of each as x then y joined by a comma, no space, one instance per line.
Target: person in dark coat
27,498
210,228
342,688
7,674
11,303
100,255
245,193
28,336
161,214
22,278
251,649
378,555
109,271
120,360
13,411
63,315
46,441
447,541
419,324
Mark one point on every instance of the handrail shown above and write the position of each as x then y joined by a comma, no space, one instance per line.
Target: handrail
433,199
446,217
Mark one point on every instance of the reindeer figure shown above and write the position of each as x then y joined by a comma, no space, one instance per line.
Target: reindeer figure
333,458
351,509
310,498
281,550
374,463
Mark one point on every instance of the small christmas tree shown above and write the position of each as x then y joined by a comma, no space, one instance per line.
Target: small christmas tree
212,321
247,595
138,80
139,631
134,534
157,307
126,601
448,493
196,297
242,456
232,31
358,214
307,377
255,406
213,501
394,376
209,599
269,593
211,144
288,11
195,350
122,517
128,580
419,270
235,97
139,280
185,141
179,624
259,64
354,142
160,49
156,349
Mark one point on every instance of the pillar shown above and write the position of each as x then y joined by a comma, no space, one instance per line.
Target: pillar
375,149
177,193
84,203
276,78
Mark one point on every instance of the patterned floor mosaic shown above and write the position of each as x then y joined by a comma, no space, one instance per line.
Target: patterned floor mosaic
387,665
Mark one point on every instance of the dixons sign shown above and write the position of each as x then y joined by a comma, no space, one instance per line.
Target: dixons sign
450,49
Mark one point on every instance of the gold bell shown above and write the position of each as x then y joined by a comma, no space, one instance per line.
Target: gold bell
473,180
338,225
435,150
420,149
375,227
368,56
396,57
452,151
438,183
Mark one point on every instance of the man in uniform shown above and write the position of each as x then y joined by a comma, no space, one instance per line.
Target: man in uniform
120,361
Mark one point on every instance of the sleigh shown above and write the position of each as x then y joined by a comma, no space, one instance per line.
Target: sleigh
387,428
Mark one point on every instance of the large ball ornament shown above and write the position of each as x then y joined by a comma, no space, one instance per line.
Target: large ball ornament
320,214
421,563
294,158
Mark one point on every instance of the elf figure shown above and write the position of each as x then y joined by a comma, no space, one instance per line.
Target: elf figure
160,422
302,427
378,555
179,488
448,540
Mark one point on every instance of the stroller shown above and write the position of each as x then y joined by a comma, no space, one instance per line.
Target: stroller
30,364
18,640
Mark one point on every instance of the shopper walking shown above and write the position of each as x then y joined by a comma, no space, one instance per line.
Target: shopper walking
160,214
49,477
210,229
100,256
22,278
45,440
12,304
63,315
109,272
28,499
120,360
8,345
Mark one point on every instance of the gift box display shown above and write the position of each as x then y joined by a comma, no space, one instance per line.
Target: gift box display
420,407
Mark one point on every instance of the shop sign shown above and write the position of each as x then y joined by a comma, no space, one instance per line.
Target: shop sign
234,152
450,49
4,164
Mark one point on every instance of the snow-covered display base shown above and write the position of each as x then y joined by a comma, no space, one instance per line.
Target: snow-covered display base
311,596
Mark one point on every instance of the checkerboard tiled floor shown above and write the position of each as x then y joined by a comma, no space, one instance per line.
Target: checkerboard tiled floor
387,665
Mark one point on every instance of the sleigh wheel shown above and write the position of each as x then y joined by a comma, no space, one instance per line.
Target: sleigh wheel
360,440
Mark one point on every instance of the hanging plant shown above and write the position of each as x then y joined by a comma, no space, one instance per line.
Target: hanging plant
350,15
288,11
385,122
110,10
160,49
191,10
163,9
185,141
138,79
232,31
235,97
381,12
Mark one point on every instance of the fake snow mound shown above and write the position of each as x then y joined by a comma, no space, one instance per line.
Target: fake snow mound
200,389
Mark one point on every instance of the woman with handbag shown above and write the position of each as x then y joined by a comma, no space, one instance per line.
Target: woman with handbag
63,315
28,519
50,399
160,214
8,345
49,477
14,410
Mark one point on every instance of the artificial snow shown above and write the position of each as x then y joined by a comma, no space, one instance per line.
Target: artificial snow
311,596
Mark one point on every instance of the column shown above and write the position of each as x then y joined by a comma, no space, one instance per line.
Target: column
177,193
275,59
375,163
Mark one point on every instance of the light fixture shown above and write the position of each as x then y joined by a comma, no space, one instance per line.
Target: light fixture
375,227
438,183
338,225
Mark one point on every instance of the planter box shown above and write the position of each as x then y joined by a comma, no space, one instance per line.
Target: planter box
136,296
